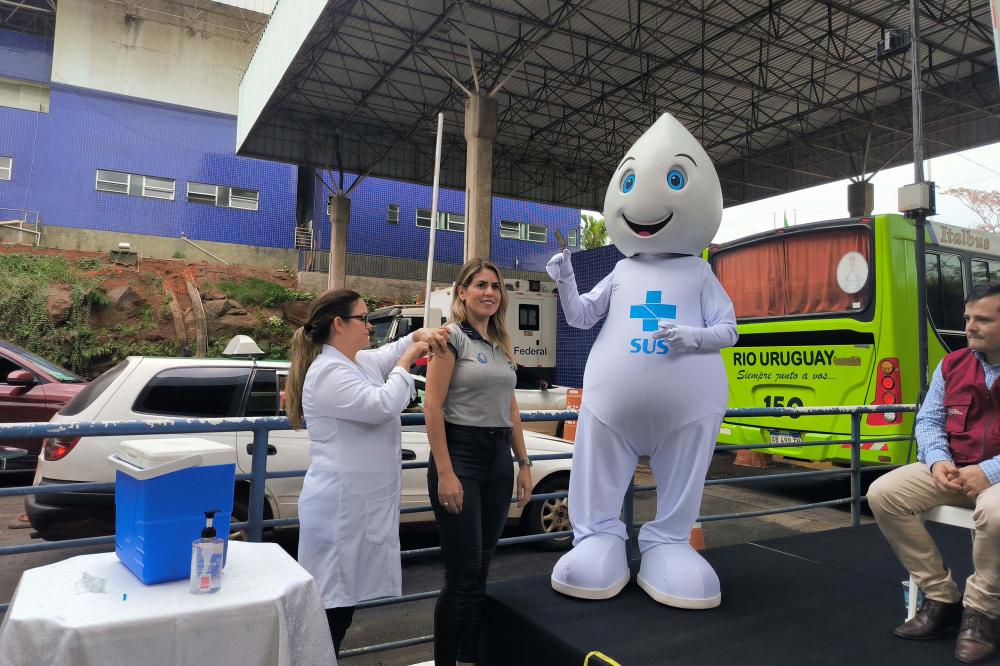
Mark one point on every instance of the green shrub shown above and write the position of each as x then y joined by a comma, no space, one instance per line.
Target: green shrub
88,263
255,291
24,318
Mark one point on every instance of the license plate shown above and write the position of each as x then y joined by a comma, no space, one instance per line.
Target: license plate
785,438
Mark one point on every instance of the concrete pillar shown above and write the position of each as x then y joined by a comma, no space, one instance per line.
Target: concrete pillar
480,131
860,198
339,210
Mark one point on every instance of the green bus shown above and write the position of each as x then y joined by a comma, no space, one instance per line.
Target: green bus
826,314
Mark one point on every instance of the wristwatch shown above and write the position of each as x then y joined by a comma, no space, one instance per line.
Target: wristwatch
524,462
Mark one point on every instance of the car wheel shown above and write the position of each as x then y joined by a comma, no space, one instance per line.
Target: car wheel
551,515
241,514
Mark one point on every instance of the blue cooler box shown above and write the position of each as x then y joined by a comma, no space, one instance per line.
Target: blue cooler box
163,487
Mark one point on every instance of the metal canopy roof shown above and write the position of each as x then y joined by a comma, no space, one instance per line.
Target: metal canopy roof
783,94
33,17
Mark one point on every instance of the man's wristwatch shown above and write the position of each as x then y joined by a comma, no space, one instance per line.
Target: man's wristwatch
524,462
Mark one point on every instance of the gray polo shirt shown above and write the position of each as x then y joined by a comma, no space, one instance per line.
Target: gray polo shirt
482,383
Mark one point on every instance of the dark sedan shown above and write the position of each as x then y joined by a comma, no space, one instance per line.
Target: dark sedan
31,389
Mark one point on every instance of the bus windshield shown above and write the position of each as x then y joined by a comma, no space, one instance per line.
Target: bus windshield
796,274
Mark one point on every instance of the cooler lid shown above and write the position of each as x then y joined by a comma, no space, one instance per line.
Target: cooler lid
147,453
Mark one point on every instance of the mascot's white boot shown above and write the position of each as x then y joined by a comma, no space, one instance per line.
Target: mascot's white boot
675,574
654,383
596,568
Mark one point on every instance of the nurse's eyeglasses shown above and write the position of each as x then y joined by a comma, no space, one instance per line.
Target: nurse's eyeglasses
362,317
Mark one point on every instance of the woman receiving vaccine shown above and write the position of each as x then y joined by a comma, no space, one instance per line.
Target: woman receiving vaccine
473,425
351,398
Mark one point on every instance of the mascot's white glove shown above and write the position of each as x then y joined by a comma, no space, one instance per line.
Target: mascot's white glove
680,338
559,267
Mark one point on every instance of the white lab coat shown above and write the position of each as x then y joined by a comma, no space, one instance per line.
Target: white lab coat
349,506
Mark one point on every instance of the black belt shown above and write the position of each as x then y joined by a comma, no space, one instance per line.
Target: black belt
481,430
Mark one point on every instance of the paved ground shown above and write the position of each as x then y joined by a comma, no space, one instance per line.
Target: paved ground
397,622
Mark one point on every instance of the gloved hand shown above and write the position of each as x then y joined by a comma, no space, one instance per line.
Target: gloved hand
559,267
680,338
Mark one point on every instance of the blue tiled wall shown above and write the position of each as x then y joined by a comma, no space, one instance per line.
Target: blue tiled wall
56,156
573,344
25,57
86,130
370,233
18,132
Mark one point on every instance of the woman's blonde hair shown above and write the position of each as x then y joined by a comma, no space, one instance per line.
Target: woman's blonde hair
496,328
308,341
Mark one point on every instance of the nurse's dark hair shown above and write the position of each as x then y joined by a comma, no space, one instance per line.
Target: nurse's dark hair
984,290
308,341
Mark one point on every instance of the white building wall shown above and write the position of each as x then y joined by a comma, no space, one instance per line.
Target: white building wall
151,57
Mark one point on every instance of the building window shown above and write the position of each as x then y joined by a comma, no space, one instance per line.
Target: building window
203,194
24,95
510,229
536,233
392,216
222,195
6,167
446,221
135,185
158,188
243,199
572,237
112,181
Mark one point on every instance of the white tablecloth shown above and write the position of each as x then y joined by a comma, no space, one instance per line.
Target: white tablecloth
267,612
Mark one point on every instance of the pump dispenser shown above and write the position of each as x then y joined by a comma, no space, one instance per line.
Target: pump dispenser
206,559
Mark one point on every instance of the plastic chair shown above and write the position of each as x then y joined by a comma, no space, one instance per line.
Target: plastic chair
949,515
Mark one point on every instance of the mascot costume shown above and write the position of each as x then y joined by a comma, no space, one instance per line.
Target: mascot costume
654,383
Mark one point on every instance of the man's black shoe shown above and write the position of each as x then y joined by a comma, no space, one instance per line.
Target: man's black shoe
931,621
976,638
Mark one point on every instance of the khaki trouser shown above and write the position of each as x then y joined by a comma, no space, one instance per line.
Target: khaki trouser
900,496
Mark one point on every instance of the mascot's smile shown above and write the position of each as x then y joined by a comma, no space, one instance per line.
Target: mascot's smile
647,230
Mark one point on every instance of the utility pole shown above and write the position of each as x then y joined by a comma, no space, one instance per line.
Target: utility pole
917,200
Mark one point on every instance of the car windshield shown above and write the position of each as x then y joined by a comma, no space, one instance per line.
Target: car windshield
57,371
380,330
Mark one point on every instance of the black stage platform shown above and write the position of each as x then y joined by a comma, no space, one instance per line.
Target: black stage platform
823,598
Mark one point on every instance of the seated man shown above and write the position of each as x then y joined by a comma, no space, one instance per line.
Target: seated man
958,442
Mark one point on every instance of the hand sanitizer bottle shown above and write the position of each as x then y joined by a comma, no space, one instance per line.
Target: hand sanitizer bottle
206,560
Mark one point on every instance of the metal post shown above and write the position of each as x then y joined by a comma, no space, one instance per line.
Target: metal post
855,469
920,219
257,471
434,216
628,515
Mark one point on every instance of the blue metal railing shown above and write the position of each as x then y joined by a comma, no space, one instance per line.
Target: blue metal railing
262,426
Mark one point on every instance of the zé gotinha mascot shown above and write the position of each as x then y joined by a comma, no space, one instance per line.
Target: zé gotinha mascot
654,383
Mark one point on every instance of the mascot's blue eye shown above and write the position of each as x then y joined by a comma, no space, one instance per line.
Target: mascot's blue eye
628,182
676,179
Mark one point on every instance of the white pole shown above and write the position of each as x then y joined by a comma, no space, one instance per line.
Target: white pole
434,221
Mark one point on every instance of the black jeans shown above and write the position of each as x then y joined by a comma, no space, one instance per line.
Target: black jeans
339,620
482,461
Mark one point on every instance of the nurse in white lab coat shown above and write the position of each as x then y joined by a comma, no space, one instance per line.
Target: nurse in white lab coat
351,398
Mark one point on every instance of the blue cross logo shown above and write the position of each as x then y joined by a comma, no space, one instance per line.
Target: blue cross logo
652,311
